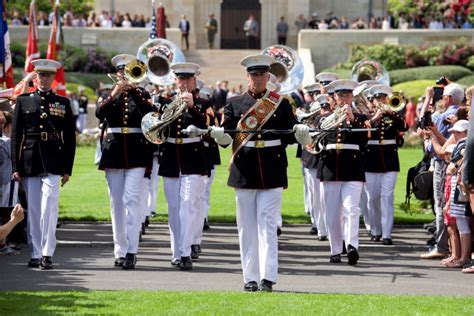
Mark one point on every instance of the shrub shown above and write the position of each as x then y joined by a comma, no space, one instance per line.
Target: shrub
18,54
389,55
454,73
98,61
466,81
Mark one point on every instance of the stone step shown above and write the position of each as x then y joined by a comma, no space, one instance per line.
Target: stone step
218,65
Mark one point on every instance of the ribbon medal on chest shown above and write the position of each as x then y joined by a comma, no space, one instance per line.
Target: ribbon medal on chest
57,109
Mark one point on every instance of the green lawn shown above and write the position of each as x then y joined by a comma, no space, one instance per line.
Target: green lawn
85,197
227,303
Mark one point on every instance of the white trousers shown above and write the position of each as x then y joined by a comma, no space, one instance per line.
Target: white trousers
342,213
257,216
126,203
184,197
204,210
306,193
42,194
318,214
364,211
380,189
153,187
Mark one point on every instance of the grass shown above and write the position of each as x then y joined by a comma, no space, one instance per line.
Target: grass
227,303
85,197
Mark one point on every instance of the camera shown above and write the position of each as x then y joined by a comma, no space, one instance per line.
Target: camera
425,120
442,81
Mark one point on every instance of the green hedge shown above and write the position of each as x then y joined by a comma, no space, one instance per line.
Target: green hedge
466,81
413,89
454,73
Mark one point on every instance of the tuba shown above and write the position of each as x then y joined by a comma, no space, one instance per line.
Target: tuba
288,67
158,54
370,70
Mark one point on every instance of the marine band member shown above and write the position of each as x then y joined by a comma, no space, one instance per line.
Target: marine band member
43,149
126,155
184,166
382,164
257,170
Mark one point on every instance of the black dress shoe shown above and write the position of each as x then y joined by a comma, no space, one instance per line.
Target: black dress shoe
34,263
175,262
147,221
194,252
143,229
387,241
251,286
130,261
322,238
46,263
313,231
278,231
199,250
352,256
153,214
375,238
206,226
186,264
119,262
335,259
265,286
344,249
140,237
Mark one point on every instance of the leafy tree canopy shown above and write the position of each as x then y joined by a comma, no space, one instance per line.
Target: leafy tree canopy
75,6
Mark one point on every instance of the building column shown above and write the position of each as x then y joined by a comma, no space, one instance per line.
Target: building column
268,24
202,12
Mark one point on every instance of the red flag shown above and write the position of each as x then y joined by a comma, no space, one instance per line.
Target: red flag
32,51
54,47
6,66
161,27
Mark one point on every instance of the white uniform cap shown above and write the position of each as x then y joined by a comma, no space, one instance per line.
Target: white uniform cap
257,63
312,87
205,92
455,91
119,61
190,69
329,88
46,65
322,99
344,85
380,89
460,126
326,77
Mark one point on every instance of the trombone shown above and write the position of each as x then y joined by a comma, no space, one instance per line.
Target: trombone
135,71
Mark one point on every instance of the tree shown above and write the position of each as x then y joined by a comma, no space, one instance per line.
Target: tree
75,6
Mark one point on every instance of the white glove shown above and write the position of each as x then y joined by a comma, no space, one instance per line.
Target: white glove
302,134
218,134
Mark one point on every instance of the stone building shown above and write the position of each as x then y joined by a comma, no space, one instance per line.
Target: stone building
231,15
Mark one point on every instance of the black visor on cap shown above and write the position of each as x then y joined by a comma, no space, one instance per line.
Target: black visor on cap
344,91
325,83
379,95
258,69
184,75
324,105
120,67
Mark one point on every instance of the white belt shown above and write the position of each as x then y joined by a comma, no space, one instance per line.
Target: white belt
382,142
263,143
124,130
206,144
183,140
342,146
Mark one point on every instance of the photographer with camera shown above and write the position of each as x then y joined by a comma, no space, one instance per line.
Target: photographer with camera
435,130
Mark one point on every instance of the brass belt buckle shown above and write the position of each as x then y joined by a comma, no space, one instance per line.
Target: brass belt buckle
382,142
44,136
259,143
179,141
338,146
125,130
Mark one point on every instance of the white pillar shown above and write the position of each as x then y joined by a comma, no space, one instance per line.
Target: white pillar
201,15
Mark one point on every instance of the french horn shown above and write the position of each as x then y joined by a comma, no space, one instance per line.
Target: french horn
288,67
158,54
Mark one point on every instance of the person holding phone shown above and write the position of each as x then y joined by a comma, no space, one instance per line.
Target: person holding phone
43,148
453,95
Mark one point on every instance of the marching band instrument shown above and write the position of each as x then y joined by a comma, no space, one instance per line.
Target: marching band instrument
135,71
154,124
158,54
288,67
370,70
396,102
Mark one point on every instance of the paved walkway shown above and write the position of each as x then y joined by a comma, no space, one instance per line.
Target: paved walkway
84,261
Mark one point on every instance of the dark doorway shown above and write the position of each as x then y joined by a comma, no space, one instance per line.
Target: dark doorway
234,13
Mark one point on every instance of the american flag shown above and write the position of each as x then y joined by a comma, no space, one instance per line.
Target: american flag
153,22
6,67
